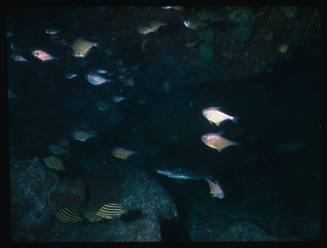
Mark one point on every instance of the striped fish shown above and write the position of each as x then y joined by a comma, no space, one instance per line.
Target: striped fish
68,215
110,211
92,217
54,163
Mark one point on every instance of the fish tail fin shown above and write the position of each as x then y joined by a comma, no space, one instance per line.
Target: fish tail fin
131,215
236,119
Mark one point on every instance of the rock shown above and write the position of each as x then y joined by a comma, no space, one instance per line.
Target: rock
122,183
37,193
223,229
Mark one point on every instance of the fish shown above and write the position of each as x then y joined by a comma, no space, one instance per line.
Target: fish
291,147
179,173
82,135
63,142
70,75
52,31
9,34
54,163
215,189
135,67
92,217
57,150
68,215
191,44
129,82
178,8
103,106
283,48
96,79
102,71
81,47
122,153
145,30
216,141
215,116
156,24
117,99
18,58
42,55
111,210
11,95
191,24
166,86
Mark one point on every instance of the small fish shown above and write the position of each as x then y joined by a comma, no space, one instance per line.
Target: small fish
191,44
9,34
215,189
70,75
156,25
92,217
178,8
12,47
57,150
11,95
122,153
166,85
191,24
68,215
135,67
122,69
102,71
34,160
63,142
103,106
18,58
291,147
82,135
96,79
122,77
42,55
179,173
82,47
129,82
283,48
216,141
52,31
111,210
117,99
215,116
145,30
54,163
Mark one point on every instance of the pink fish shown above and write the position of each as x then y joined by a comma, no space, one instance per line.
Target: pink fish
215,189
216,141
42,55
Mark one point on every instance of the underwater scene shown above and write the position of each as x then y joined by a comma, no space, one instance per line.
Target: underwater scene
164,123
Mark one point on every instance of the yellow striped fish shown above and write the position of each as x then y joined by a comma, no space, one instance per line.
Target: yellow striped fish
68,215
92,217
54,163
111,210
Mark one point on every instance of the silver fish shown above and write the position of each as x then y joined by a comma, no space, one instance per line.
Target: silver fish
57,150
102,71
52,31
117,99
18,58
11,94
96,79
179,173
70,75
